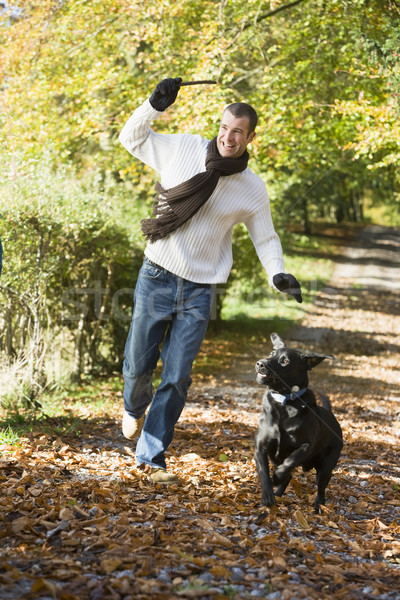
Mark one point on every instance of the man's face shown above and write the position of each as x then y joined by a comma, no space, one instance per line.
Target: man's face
233,136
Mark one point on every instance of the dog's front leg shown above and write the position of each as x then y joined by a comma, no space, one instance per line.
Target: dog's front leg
283,473
283,485
262,464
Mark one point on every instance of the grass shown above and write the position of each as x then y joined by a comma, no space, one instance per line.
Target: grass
10,436
309,260
267,305
61,412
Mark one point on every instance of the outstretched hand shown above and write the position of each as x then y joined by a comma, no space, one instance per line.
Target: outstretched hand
165,93
285,282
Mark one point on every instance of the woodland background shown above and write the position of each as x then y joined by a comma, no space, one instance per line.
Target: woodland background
324,76
78,520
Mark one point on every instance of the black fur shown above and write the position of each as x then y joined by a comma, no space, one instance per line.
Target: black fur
296,431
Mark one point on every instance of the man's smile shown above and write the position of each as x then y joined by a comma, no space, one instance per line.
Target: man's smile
233,137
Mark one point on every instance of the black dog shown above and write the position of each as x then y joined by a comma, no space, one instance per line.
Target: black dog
293,430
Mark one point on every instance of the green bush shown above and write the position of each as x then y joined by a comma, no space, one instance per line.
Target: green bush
69,269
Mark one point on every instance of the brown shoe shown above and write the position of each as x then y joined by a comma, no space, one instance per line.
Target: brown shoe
162,476
131,427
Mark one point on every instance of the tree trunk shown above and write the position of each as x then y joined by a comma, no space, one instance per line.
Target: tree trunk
306,220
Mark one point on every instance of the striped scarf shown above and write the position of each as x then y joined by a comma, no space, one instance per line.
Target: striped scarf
177,205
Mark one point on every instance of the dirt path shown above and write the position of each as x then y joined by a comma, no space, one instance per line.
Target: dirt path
79,522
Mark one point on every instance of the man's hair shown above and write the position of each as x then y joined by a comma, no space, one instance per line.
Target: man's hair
241,109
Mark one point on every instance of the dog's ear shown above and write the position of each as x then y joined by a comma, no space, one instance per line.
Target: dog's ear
313,359
277,342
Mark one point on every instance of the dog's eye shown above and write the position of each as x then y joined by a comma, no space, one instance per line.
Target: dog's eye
284,361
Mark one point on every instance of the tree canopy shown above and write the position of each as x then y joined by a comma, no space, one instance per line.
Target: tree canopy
323,75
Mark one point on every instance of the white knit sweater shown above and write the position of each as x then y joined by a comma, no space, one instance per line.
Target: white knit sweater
201,250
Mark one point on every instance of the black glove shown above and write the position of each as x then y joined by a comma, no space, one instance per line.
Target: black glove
165,93
289,284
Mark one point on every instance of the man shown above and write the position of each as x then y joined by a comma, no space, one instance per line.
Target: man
205,189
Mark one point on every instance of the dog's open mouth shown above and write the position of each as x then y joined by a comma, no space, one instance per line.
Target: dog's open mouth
264,374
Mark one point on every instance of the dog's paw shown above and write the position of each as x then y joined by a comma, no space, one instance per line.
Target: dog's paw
268,498
280,475
268,501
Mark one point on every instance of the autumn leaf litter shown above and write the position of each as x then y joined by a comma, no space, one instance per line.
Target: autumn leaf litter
78,521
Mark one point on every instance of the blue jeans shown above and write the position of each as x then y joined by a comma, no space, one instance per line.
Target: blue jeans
173,313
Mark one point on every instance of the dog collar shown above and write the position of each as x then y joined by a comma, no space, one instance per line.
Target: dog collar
284,398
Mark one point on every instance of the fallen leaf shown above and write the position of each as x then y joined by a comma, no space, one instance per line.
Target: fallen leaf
302,521
108,565
66,514
220,572
42,584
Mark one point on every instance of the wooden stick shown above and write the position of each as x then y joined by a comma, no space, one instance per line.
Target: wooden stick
210,81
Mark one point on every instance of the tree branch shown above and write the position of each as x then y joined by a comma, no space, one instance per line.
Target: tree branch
273,12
